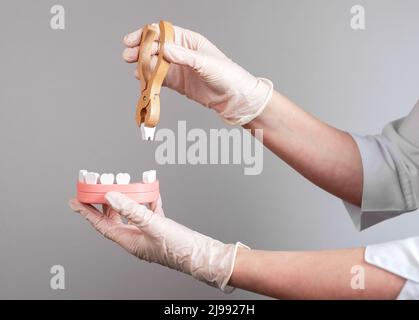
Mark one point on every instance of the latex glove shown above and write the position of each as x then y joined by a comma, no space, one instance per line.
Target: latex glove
204,74
152,237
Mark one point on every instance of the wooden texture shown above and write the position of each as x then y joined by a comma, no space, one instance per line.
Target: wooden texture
148,107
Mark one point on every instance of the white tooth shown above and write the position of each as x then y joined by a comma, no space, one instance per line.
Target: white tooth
82,175
123,178
147,132
91,177
149,176
107,178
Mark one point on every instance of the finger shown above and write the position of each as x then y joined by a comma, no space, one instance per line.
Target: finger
184,37
130,55
105,209
133,39
159,202
188,38
156,207
110,213
99,221
87,211
184,57
135,213
152,206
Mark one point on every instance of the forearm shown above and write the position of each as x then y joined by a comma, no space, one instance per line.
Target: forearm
311,275
326,156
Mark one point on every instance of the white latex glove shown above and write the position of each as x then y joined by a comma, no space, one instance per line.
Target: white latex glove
153,237
204,74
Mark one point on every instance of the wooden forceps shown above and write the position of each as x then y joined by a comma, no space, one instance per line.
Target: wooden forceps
148,106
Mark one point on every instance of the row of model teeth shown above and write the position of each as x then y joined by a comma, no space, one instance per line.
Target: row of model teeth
109,178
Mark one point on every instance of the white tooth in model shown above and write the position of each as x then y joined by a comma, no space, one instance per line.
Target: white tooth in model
91,177
123,178
147,132
107,178
149,176
82,175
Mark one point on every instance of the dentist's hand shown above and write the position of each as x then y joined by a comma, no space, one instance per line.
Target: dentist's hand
153,237
204,74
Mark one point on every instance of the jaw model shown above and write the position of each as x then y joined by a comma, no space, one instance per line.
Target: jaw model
92,187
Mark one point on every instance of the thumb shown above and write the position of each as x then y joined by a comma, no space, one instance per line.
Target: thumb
135,213
183,56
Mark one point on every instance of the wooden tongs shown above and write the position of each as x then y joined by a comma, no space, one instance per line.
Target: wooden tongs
148,106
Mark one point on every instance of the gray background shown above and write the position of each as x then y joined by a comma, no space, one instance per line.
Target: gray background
67,101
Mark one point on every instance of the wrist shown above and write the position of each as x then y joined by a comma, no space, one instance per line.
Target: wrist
241,252
216,266
248,105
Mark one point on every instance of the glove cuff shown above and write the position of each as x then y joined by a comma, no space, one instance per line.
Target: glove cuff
214,264
251,106
224,287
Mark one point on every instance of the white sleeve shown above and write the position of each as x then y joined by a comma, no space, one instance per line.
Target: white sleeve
401,258
391,172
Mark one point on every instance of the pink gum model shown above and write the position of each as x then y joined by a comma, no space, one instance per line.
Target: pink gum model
139,192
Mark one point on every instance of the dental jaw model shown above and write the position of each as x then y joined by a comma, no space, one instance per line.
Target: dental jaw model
148,106
92,187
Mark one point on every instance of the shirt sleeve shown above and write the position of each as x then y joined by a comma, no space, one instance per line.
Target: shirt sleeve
399,257
391,172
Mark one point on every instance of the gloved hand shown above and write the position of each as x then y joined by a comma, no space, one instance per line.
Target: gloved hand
204,74
153,237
